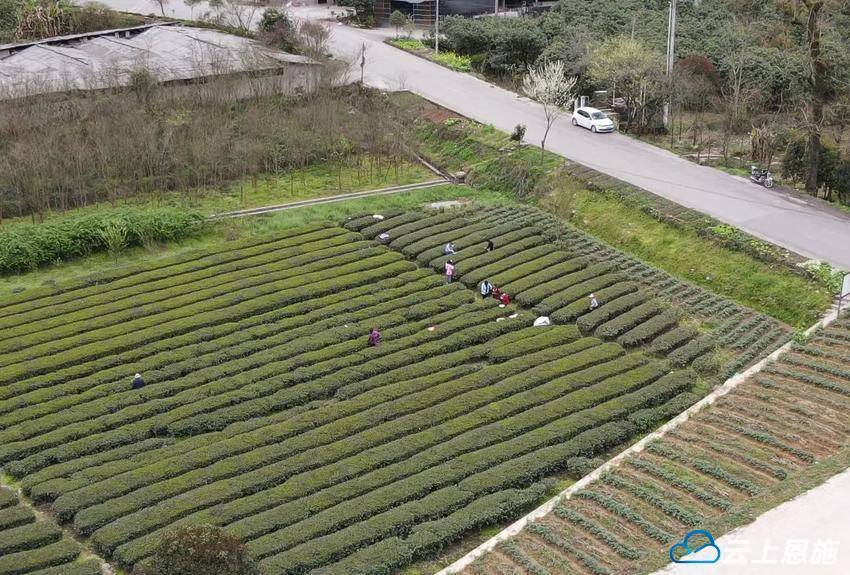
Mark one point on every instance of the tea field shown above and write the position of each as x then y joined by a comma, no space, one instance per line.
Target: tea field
771,430
38,546
266,412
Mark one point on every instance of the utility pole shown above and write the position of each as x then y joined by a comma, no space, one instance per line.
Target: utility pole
437,30
671,58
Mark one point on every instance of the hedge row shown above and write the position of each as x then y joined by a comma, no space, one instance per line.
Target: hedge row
152,417
525,469
502,429
386,556
105,330
540,338
662,501
15,516
475,242
52,313
29,536
25,562
667,342
358,222
651,329
399,242
478,256
675,481
264,446
253,401
645,419
288,292
268,476
378,227
511,256
253,354
108,313
434,241
90,567
138,275
39,485
685,354
547,274
629,320
540,291
107,467
581,305
521,266
609,310
236,312
234,338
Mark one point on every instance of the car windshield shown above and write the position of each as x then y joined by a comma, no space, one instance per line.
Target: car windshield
598,116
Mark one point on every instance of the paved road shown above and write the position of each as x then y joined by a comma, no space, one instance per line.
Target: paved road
809,535
805,226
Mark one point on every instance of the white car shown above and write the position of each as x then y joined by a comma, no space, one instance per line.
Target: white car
592,119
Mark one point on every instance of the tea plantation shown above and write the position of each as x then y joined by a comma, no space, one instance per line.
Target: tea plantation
266,412
30,545
773,430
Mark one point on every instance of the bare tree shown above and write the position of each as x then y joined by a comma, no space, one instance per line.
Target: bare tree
548,84
191,4
820,90
162,4
362,61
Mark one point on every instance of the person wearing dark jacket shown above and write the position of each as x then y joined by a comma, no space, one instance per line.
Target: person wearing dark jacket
138,382
489,247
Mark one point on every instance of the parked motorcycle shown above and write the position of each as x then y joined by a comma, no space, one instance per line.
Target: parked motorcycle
761,176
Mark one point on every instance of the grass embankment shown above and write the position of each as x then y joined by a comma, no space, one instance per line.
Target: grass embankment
495,163
769,288
355,174
231,230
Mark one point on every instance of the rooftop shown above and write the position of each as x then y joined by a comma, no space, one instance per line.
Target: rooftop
108,58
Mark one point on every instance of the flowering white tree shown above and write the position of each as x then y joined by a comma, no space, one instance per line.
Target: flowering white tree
549,85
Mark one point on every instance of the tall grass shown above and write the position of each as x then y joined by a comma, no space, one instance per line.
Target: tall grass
27,247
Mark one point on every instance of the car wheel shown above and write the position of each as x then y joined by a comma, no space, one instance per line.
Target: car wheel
593,129
575,122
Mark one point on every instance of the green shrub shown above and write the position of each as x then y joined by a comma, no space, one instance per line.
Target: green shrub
29,536
25,562
25,248
199,550
667,342
454,61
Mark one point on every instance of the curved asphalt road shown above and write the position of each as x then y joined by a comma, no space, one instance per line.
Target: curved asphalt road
804,225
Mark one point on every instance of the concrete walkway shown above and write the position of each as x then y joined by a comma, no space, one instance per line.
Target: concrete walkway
809,535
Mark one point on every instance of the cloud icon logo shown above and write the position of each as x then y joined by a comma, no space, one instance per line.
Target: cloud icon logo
699,544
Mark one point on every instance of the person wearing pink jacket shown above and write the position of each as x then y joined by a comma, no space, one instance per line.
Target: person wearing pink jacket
450,271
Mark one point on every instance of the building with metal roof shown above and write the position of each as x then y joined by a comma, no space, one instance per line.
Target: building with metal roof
173,54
